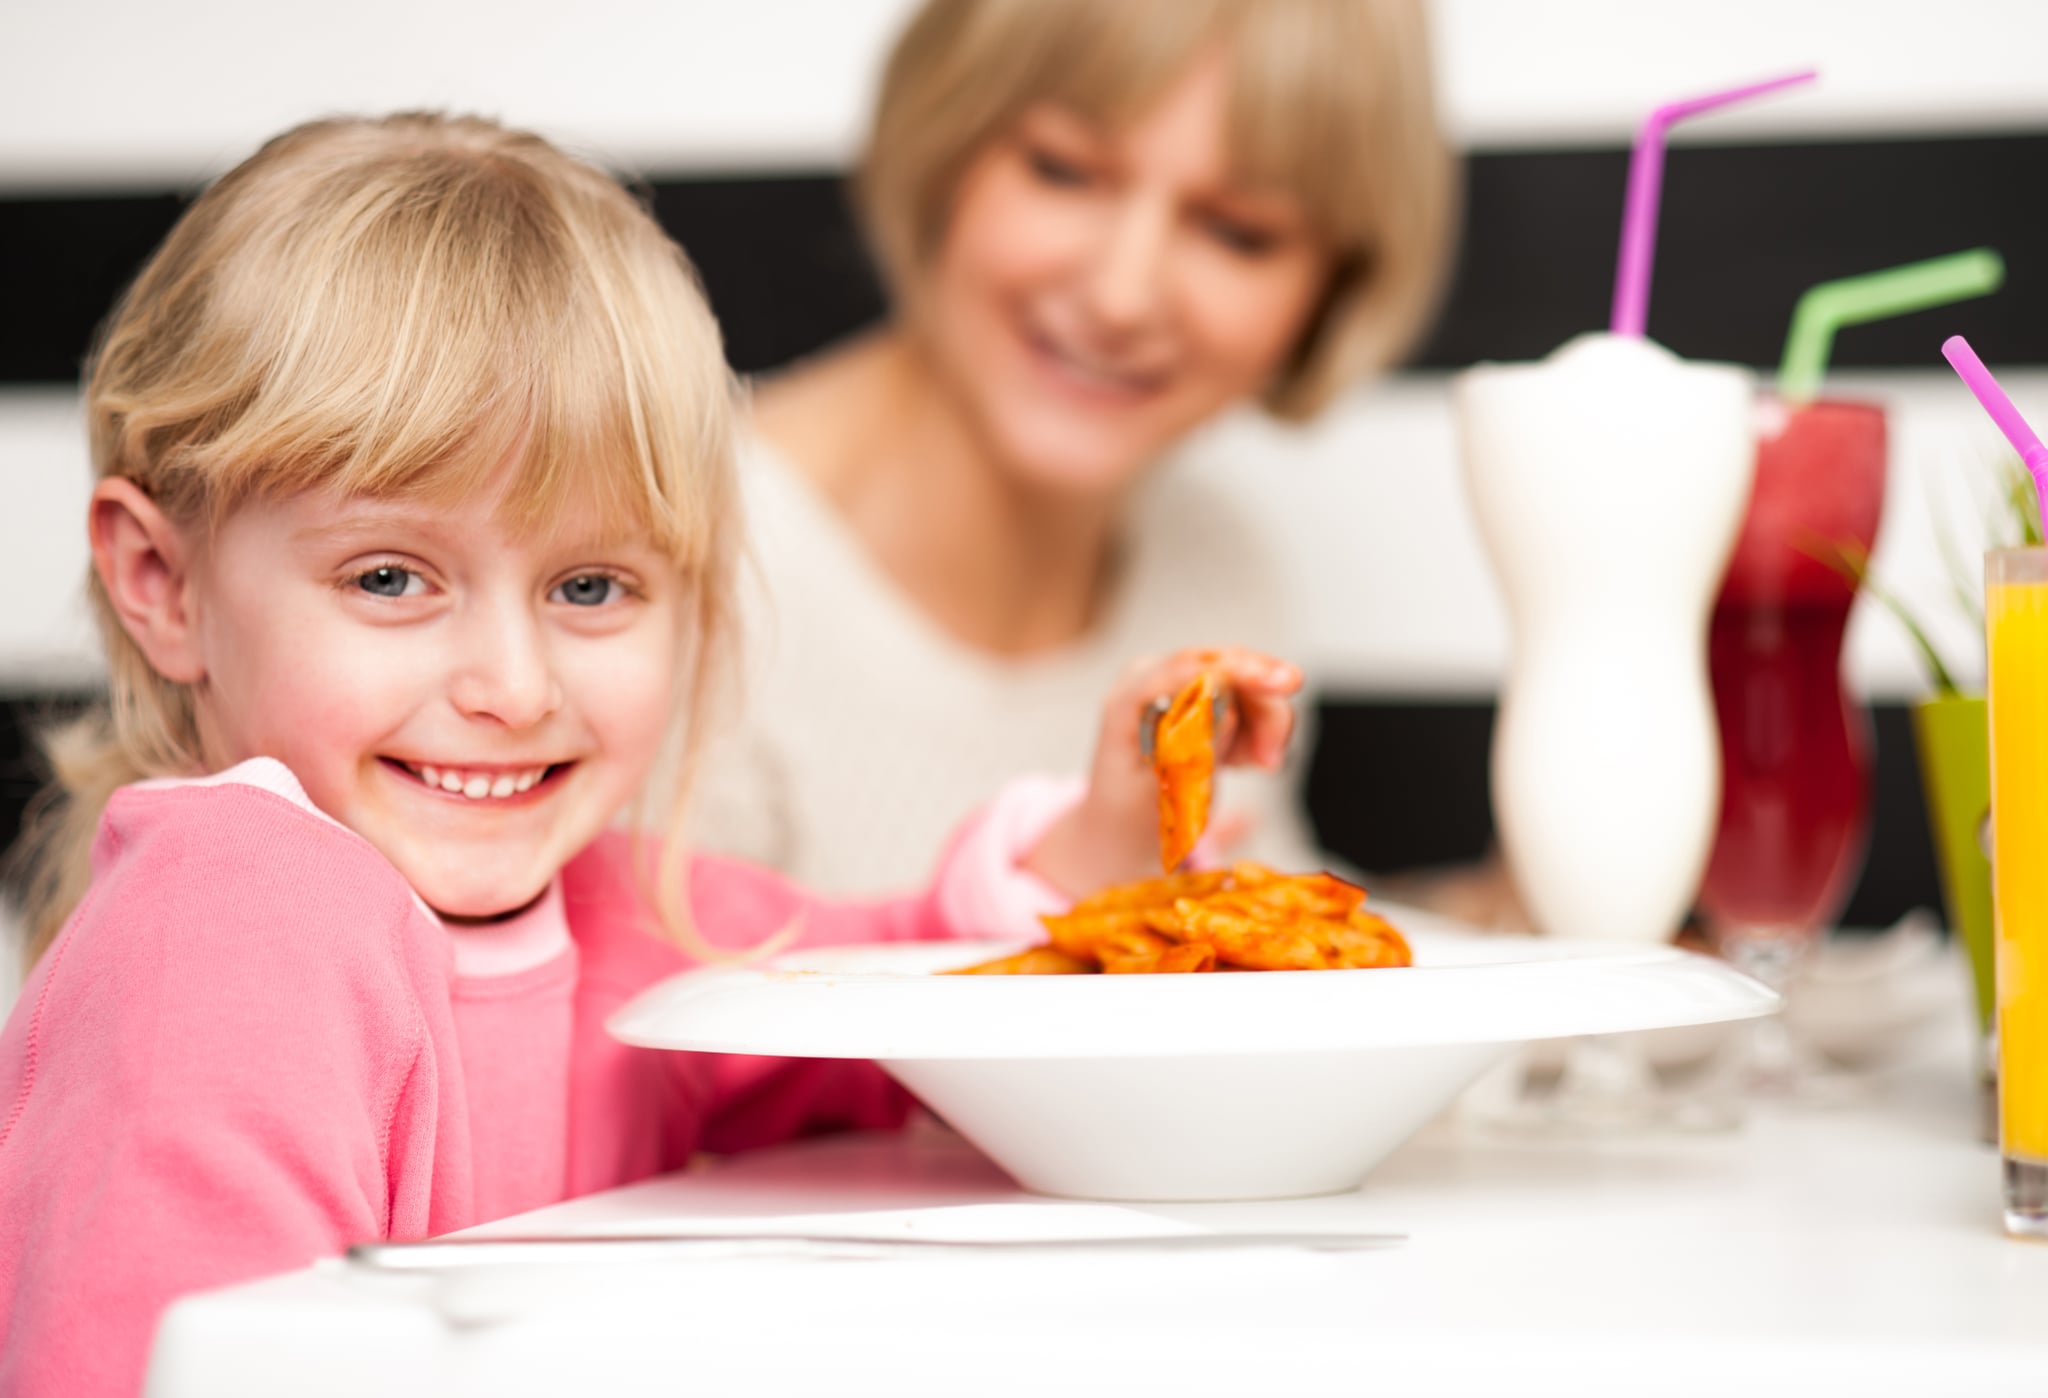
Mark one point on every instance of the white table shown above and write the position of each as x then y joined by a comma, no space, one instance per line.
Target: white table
1854,1250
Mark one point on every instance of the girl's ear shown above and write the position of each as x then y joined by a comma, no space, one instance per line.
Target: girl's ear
144,564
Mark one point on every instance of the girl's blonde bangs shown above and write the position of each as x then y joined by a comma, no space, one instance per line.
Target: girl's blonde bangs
420,330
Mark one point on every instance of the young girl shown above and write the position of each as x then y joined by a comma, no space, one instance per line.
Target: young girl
414,525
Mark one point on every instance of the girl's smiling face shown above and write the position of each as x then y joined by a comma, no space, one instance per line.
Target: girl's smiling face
475,702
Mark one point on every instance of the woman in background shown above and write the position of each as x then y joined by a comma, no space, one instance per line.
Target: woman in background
1103,224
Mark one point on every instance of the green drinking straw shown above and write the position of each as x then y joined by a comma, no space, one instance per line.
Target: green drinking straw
1875,296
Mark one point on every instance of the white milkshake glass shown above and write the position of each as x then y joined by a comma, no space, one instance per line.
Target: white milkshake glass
1609,482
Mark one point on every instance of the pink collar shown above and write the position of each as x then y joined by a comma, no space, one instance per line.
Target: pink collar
535,934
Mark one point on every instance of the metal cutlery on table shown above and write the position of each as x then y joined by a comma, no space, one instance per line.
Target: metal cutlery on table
442,1254
1222,709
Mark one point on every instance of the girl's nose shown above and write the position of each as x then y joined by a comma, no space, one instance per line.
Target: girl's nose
1124,286
505,673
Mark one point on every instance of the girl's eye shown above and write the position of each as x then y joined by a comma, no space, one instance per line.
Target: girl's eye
586,590
389,581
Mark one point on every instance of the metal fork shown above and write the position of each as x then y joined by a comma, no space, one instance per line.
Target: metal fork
1156,711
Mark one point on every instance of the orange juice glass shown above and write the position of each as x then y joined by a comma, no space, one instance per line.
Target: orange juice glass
2016,627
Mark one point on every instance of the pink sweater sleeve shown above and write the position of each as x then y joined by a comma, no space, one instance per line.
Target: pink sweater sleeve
199,1083
981,889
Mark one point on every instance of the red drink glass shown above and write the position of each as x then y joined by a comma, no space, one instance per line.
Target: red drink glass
1795,752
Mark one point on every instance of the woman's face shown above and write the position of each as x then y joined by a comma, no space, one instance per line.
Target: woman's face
1100,293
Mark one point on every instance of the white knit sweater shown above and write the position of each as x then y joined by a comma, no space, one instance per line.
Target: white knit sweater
865,734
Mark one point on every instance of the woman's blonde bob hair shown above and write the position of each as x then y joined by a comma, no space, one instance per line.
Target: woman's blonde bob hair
399,308
1332,102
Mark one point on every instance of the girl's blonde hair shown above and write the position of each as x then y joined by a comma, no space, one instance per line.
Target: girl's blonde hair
1332,101
397,308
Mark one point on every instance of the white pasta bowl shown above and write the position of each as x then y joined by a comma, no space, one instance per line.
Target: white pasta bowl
1256,1086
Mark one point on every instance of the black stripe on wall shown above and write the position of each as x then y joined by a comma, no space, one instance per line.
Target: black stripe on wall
1744,230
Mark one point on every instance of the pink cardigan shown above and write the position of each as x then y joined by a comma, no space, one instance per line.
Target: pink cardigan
250,1048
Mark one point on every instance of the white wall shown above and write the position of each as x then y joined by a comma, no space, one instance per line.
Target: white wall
96,92
1397,596
1521,72
46,638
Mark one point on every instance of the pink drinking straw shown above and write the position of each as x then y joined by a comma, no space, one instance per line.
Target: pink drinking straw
1958,353
1646,188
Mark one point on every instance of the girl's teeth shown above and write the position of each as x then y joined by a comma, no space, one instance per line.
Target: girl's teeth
480,786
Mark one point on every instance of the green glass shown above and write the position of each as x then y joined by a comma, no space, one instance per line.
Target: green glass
1955,772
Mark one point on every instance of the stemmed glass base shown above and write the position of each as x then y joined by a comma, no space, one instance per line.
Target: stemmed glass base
1770,1060
1605,1086
1609,1085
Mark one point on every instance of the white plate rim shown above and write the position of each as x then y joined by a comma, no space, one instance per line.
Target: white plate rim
882,1002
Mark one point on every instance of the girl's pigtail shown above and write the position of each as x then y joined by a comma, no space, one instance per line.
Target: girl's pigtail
662,862
51,863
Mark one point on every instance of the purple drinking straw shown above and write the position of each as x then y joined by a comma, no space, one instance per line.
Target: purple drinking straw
1645,188
1957,351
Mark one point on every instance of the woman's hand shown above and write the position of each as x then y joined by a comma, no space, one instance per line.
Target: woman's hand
1113,835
